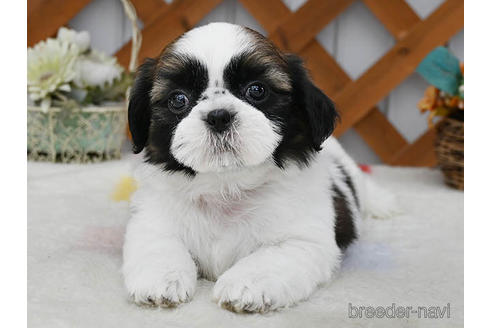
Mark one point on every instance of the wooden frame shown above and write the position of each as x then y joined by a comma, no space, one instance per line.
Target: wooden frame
296,32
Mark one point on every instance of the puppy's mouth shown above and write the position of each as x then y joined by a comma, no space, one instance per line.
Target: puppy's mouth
224,139
224,143
218,150
225,147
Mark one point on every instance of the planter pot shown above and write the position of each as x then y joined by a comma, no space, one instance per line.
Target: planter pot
450,151
89,134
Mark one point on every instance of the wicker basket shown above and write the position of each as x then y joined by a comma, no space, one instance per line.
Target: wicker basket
90,134
450,150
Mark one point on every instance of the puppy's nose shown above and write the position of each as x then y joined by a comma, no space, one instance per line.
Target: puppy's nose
219,120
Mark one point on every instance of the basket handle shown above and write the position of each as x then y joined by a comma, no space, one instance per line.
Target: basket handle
136,33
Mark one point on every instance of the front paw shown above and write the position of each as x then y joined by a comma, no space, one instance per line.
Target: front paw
167,289
239,293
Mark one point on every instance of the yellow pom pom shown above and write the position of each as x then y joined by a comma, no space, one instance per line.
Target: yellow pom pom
125,188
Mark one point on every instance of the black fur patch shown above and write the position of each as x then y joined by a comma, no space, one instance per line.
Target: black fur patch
139,106
348,181
305,115
345,232
151,122
310,119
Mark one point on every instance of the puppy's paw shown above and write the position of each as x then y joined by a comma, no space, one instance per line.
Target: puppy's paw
243,294
165,290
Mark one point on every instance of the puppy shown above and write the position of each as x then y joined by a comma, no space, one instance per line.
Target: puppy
239,182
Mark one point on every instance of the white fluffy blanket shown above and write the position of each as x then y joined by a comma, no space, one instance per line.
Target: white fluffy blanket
75,234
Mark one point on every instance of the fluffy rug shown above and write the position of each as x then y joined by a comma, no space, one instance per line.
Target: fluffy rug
75,235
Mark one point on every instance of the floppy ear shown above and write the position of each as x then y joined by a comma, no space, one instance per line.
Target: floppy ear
139,105
320,110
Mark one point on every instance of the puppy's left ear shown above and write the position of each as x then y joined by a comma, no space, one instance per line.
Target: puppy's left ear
320,110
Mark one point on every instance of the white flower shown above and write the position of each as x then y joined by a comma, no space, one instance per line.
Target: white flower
81,39
50,68
97,69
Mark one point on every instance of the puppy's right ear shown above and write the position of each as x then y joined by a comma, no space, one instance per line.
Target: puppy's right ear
139,105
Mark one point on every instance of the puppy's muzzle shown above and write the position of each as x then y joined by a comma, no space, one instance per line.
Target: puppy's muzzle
219,120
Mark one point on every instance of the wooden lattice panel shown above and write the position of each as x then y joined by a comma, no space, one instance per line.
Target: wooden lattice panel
167,23
296,32
356,100
44,17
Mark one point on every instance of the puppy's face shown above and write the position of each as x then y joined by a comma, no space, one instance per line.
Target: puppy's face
222,97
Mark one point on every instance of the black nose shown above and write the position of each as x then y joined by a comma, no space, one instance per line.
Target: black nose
219,120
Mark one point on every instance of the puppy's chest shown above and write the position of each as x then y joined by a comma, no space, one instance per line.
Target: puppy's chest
225,230
226,209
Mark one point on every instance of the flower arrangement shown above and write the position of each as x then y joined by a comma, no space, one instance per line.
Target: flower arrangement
65,72
76,110
445,96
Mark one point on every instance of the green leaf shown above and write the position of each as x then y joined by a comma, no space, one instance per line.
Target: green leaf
115,92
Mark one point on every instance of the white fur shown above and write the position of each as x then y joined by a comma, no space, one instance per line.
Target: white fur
214,44
252,139
265,234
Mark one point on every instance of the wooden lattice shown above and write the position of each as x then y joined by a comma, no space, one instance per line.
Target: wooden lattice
296,32
44,17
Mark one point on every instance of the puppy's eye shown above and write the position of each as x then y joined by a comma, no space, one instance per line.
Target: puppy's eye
178,102
255,92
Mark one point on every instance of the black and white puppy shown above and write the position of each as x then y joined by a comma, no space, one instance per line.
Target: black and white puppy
240,183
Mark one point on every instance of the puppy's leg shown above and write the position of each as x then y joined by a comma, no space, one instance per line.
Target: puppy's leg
157,268
276,276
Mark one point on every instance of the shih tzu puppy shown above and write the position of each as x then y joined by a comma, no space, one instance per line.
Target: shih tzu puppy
239,182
